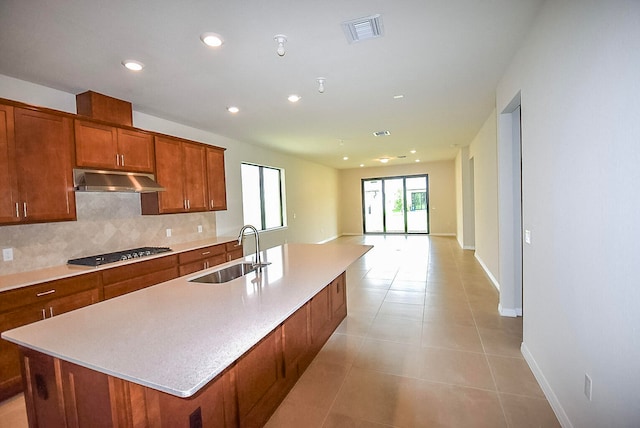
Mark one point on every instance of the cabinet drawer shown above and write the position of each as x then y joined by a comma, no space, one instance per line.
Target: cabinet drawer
47,291
201,253
192,267
139,282
233,246
123,273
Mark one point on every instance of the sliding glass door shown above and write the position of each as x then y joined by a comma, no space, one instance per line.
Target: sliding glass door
396,204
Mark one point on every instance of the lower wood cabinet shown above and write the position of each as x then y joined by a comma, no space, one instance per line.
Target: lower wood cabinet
202,258
136,276
34,303
62,394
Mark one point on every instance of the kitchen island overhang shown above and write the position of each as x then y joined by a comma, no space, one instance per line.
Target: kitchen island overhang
178,336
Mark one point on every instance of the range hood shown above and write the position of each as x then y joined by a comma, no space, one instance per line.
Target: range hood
86,180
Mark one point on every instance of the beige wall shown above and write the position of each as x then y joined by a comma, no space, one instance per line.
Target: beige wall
483,152
442,194
577,73
112,221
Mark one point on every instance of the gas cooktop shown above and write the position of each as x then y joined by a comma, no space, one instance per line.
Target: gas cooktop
118,256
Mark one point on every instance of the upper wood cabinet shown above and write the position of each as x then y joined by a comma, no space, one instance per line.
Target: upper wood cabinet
181,169
104,146
36,163
9,212
216,185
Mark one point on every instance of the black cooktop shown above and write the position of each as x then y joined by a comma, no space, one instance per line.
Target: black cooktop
102,259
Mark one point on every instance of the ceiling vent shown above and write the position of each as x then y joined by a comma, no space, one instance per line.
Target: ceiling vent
369,27
381,133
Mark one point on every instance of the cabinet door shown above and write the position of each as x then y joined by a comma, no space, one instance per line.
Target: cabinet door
338,299
216,185
195,172
96,145
320,317
72,302
295,341
10,377
136,150
44,157
169,174
9,209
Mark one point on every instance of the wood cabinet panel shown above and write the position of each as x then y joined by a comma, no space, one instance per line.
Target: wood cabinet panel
295,342
216,183
96,145
9,201
43,292
320,317
169,175
338,298
201,253
122,273
198,265
86,397
136,149
10,376
139,282
43,394
195,173
44,156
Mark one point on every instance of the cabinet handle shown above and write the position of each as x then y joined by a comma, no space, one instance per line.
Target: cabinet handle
24,209
51,311
44,293
188,204
121,160
211,203
17,210
44,314
206,252
117,160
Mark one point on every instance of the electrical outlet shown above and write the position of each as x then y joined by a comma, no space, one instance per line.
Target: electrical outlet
199,228
168,233
7,254
527,236
587,386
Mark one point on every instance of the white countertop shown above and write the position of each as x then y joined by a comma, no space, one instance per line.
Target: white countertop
24,279
177,336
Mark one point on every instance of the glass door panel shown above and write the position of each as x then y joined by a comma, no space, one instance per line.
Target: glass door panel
416,197
373,212
394,206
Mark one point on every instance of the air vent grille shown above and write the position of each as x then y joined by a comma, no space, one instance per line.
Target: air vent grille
381,133
368,27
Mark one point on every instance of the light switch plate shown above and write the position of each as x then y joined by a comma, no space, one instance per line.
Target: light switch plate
7,254
199,228
168,233
527,236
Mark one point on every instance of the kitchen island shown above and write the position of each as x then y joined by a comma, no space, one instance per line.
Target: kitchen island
183,353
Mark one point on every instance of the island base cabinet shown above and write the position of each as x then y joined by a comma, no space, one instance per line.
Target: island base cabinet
246,394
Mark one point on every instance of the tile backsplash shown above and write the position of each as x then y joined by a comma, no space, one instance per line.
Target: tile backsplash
106,222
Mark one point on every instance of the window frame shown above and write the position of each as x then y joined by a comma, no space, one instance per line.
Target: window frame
263,216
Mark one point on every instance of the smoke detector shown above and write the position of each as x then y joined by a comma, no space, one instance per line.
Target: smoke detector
368,27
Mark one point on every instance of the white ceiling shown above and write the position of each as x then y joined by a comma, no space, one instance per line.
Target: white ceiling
444,56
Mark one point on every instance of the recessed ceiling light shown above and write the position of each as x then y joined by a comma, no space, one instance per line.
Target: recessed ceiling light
233,109
211,39
398,97
384,160
294,98
361,165
417,160
133,65
413,152
345,158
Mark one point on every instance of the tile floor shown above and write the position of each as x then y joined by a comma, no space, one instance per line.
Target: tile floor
422,346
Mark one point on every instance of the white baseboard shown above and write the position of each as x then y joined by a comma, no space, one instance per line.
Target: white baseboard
493,279
508,312
442,234
469,247
328,239
557,408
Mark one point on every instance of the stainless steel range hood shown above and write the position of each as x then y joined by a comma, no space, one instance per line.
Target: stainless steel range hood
86,180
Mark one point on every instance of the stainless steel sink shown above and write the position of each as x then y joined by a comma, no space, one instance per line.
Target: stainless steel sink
226,274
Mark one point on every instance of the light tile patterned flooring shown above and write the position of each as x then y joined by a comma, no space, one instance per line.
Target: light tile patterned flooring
422,346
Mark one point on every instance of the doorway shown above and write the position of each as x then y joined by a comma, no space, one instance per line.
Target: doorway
397,205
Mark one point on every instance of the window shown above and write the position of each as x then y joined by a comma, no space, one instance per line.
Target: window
262,196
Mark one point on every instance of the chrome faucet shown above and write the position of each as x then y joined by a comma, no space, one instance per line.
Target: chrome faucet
258,261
